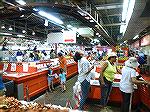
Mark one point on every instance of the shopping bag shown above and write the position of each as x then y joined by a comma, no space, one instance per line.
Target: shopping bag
77,94
56,75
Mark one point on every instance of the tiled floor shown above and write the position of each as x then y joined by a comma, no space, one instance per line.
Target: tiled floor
59,98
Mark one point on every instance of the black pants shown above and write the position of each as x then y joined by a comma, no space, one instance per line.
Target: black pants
126,102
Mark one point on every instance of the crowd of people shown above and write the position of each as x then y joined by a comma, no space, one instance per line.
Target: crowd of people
106,78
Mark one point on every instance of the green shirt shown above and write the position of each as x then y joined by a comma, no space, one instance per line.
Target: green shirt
109,72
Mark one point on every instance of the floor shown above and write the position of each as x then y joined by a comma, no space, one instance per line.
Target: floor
59,98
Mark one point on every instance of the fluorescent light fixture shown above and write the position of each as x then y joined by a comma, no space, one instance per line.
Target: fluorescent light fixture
122,27
125,9
22,16
128,14
21,9
91,21
33,33
5,34
35,9
20,36
21,2
10,28
46,23
137,36
51,17
97,33
96,40
69,26
2,27
23,31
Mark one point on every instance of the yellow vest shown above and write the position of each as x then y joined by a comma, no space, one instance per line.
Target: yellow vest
109,72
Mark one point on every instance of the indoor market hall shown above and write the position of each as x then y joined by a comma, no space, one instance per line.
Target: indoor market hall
74,56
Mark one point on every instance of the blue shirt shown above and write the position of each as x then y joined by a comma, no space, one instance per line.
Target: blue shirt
62,77
19,53
1,83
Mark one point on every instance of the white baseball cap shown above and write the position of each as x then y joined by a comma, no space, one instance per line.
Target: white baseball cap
111,54
132,62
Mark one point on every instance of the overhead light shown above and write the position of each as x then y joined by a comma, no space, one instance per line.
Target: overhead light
21,9
137,36
22,16
10,28
20,36
97,33
5,34
33,33
21,2
125,9
69,26
23,31
35,9
91,21
2,27
46,23
127,13
51,17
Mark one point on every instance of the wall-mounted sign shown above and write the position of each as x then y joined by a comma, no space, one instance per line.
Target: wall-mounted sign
59,37
145,40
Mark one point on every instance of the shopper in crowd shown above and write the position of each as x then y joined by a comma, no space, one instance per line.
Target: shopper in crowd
25,56
84,69
50,79
62,61
31,57
36,56
62,77
127,83
2,87
52,54
12,56
107,75
44,55
19,55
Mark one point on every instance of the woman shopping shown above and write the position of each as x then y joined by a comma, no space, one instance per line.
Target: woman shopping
107,74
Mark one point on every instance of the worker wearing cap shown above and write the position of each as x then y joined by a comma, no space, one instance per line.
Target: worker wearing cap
127,83
107,74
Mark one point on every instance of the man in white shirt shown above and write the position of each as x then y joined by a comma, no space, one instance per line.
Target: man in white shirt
84,76
127,82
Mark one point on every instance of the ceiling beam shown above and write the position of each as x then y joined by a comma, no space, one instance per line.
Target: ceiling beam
114,24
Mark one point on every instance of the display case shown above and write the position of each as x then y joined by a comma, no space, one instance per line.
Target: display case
31,78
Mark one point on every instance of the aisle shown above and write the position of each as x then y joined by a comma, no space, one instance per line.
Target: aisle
59,98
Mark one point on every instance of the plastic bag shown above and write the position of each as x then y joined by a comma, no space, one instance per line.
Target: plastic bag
77,94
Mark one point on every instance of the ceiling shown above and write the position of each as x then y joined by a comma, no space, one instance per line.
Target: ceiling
105,16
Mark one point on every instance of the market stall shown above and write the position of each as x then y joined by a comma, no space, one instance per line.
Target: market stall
115,96
31,78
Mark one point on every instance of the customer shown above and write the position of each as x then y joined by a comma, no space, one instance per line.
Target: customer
62,77
2,87
52,54
84,76
62,61
107,74
127,82
50,79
